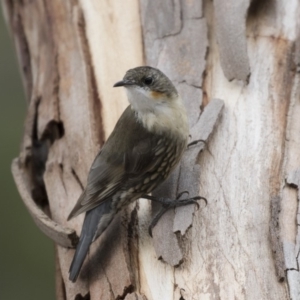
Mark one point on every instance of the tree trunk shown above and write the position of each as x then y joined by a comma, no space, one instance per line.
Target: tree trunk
244,244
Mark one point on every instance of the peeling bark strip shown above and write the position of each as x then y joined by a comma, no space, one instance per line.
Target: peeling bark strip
234,60
72,52
62,236
189,179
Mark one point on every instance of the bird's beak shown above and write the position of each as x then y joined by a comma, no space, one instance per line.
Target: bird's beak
123,83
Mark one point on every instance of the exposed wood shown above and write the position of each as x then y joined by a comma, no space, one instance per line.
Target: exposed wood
134,296
59,283
245,243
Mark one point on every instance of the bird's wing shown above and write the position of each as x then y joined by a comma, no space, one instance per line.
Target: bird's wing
103,181
110,174
144,156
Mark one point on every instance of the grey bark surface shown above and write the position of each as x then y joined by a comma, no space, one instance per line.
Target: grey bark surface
236,66
230,18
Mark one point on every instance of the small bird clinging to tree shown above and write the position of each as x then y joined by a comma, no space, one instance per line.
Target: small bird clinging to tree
144,147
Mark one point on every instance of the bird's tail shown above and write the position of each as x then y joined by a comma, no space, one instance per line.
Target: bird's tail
89,230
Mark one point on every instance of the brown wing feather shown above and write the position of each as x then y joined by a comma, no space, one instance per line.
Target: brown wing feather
120,164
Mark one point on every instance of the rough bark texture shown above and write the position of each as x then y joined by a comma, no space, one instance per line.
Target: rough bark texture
245,243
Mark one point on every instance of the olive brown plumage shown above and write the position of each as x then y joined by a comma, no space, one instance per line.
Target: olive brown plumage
144,147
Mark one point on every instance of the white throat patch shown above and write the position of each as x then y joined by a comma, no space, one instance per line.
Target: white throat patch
140,99
158,114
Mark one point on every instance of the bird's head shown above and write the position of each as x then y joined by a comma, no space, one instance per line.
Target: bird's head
148,89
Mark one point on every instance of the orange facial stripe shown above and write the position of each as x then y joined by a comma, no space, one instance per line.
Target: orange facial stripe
156,95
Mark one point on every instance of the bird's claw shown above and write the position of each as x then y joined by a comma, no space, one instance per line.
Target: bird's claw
168,203
181,193
196,142
195,199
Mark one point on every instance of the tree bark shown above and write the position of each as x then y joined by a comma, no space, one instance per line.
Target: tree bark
244,244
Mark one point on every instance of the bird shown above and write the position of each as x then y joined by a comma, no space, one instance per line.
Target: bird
145,146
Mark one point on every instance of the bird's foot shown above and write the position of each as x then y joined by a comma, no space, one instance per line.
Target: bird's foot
168,203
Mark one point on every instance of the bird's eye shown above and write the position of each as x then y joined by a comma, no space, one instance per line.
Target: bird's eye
148,80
